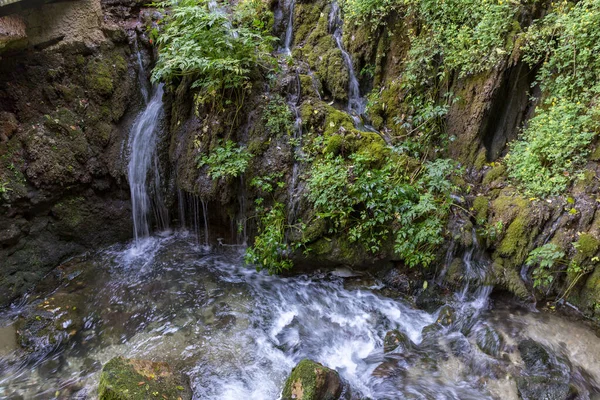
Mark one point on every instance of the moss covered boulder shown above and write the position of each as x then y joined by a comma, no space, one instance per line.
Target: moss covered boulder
129,379
310,380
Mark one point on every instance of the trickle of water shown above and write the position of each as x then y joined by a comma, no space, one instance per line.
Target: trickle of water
295,188
356,104
289,32
141,74
143,140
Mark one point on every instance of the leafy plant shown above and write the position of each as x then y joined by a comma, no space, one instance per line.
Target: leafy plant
4,189
227,160
565,44
375,204
270,250
278,117
545,257
217,49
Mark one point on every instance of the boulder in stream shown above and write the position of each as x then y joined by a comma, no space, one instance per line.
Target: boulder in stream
129,379
310,380
546,376
396,340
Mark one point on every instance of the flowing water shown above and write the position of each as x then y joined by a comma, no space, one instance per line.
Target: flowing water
237,333
289,32
143,160
356,104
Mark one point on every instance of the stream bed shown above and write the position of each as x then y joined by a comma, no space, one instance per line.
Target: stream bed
237,333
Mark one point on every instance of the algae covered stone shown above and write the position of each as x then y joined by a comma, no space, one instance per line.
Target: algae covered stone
310,380
129,379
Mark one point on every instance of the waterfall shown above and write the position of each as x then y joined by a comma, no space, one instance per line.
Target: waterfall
356,104
142,141
295,190
289,32
142,78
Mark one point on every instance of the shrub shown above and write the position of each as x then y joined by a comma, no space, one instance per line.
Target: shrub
375,204
228,160
216,48
566,45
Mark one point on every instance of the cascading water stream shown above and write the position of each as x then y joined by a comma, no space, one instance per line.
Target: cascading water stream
295,188
356,104
289,32
143,140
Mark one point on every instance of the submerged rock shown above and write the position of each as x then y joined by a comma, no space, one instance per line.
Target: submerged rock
546,376
429,300
128,379
489,341
310,380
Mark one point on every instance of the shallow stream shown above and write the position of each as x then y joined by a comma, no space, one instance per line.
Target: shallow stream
237,333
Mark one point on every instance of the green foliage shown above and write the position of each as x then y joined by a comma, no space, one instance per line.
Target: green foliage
554,144
217,49
268,183
278,117
373,204
566,42
270,250
545,257
4,189
228,160
448,39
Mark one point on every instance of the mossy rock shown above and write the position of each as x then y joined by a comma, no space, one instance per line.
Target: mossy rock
480,209
496,173
587,246
129,379
310,380
316,45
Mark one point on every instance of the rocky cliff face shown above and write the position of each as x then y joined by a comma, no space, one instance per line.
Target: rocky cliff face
68,93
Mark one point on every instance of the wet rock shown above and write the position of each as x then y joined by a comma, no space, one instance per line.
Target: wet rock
8,125
396,340
397,280
129,379
446,316
310,380
489,341
429,300
546,376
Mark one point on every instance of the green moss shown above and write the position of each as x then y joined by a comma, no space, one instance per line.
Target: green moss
587,246
586,183
596,154
508,277
317,47
480,208
497,172
481,159
516,238
102,71
506,207
307,86
121,380
312,381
